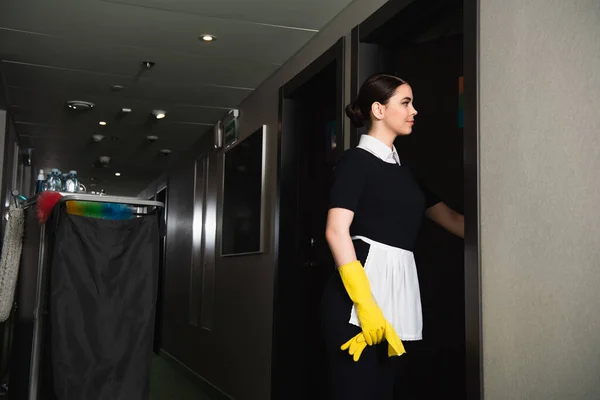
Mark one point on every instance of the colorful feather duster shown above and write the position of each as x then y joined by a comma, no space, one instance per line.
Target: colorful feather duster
45,204
113,211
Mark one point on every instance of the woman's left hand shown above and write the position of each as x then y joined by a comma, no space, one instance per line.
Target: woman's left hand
357,344
447,218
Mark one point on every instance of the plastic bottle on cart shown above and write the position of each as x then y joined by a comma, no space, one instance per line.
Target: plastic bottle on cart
51,182
61,183
39,186
47,181
71,184
55,181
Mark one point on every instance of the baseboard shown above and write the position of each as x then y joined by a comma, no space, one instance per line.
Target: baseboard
210,389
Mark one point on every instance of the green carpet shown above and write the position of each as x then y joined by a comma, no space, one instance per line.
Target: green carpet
166,383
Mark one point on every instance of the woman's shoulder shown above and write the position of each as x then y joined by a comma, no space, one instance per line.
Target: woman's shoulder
354,155
354,163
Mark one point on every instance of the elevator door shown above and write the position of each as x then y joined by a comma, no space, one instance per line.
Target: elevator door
436,369
311,121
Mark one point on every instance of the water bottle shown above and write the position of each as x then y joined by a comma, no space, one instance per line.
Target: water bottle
52,180
55,181
71,184
47,181
39,186
60,184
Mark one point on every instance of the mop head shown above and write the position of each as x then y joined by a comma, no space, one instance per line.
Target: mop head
112,211
45,204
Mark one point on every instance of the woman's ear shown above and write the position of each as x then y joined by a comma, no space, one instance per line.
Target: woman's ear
378,110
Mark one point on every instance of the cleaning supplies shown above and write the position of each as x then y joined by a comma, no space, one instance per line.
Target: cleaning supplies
71,182
39,186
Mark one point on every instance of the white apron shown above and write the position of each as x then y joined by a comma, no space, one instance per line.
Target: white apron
394,283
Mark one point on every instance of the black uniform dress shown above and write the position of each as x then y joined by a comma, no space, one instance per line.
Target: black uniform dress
388,204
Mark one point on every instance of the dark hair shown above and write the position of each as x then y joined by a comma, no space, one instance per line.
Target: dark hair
378,88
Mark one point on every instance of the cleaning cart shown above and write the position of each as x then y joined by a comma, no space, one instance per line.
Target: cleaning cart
86,302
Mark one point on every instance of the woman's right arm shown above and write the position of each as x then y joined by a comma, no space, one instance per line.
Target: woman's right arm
338,237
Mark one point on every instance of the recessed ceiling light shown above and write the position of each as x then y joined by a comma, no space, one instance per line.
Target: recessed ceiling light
126,110
165,152
79,105
103,123
208,38
97,138
159,114
117,174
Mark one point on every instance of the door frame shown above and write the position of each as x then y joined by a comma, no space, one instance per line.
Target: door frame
285,246
472,246
160,290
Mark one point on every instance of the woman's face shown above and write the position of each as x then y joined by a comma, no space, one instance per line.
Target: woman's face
399,113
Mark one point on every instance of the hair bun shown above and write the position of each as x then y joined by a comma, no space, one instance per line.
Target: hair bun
356,116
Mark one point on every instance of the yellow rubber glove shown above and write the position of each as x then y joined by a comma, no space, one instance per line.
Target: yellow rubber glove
395,346
357,344
370,316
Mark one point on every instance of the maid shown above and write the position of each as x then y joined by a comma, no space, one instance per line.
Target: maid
376,206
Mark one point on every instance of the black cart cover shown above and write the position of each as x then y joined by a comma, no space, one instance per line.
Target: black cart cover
102,294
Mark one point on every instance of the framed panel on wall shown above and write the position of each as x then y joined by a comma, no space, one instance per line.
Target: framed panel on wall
243,196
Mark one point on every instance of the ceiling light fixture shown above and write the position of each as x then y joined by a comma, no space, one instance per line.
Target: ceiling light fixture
159,114
117,174
126,110
116,88
165,152
148,64
208,38
102,123
79,105
97,138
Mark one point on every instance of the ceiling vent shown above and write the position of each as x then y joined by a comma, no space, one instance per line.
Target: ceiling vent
79,105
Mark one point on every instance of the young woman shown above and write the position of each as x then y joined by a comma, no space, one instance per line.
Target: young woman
376,208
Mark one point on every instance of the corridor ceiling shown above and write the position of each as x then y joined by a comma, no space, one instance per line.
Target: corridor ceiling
60,50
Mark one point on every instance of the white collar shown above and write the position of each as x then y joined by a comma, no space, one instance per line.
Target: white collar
379,149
